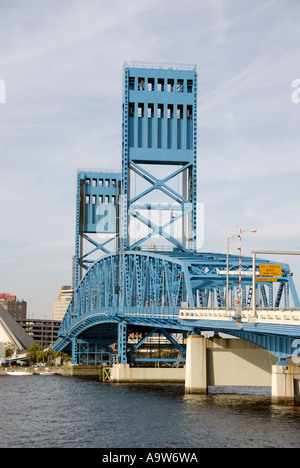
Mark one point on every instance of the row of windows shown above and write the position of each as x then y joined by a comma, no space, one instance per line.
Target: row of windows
161,133
101,182
99,199
160,110
160,84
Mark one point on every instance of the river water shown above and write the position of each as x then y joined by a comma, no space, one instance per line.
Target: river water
73,412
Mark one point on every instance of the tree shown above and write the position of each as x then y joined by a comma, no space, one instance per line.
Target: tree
9,349
34,353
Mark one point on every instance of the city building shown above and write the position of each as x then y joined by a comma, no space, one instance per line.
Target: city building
16,308
41,330
23,332
11,332
61,305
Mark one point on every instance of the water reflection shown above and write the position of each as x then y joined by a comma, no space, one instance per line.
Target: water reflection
80,412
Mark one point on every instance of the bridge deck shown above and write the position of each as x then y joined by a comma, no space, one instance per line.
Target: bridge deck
273,316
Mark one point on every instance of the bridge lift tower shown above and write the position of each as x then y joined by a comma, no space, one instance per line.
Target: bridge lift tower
151,204
159,147
136,261
155,196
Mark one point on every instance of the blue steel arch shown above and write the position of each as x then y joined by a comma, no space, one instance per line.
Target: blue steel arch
147,289
154,287
99,299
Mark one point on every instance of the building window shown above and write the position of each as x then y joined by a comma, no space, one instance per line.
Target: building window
150,84
131,109
141,84
160,111
150,110
160,84
141,110
131,82
189,86
170,86
179,111
170,111
180,87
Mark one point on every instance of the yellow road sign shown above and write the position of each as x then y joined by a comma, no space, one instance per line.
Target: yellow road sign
270,270
272,280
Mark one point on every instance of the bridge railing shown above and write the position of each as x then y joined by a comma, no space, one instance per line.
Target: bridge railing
262,315
113,312
170,311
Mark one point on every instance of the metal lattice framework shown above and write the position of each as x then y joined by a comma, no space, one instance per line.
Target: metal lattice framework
156,287
136,289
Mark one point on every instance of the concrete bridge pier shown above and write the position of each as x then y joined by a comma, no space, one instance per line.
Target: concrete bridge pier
239,363
222,362
285,384
196,369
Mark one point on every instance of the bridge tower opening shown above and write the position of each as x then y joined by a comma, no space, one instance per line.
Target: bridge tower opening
159,156
97,218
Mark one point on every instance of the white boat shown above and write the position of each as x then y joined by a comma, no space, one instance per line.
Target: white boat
18,373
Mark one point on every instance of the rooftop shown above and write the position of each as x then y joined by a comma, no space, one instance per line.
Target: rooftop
164,66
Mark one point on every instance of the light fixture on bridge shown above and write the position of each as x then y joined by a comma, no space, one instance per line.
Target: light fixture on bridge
230,239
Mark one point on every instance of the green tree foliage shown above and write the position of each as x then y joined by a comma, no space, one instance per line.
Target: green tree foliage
9,350
36,354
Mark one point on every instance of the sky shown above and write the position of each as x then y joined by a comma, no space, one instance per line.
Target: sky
61,66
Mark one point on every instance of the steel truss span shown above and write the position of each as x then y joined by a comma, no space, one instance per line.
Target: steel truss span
153,289
130,297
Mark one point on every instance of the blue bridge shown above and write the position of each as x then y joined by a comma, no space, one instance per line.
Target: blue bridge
142,285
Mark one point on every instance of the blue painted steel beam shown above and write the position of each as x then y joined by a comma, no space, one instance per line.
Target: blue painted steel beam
155,286
147,289
275,338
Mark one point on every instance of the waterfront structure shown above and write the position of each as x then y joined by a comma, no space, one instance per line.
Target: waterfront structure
12,332
61,305
159,131
97,218
140,286
25,332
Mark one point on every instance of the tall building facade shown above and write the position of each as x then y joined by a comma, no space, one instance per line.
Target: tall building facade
16,308
61,305
42,331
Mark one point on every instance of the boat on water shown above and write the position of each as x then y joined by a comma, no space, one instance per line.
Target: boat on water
18,373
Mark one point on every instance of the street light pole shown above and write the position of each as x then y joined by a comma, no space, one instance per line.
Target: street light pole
231,238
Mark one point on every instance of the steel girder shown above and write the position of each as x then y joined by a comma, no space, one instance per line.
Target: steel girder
279,340
153,288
